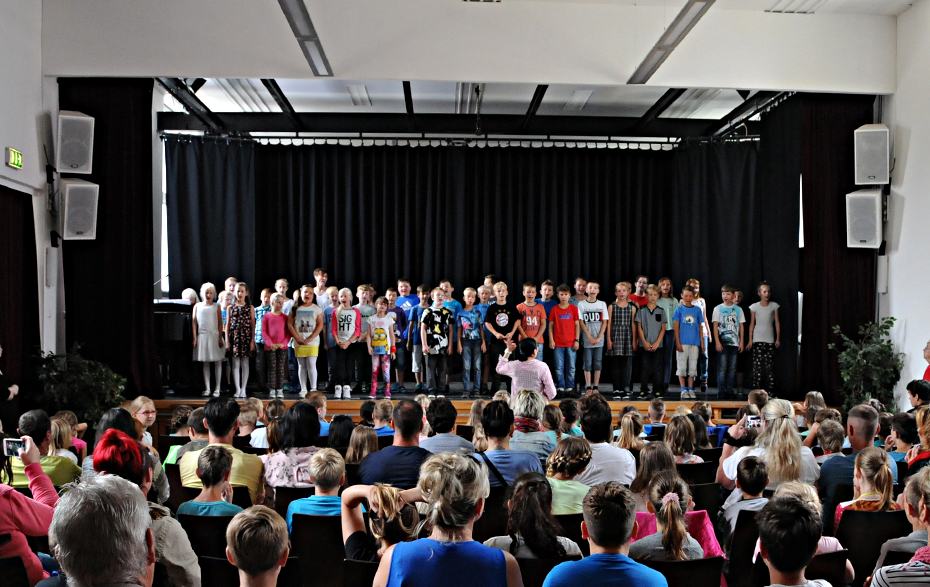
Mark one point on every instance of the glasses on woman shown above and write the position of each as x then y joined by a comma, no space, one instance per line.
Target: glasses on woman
147,413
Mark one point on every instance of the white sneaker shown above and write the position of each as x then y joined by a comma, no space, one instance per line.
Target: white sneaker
280,394
216,393
206,393
347,392
338,392
303,393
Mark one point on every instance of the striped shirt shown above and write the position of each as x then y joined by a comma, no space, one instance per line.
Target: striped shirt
912,573
530,374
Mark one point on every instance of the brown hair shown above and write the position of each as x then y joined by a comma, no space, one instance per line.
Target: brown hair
609,512
274,413
923,427
873,464
363,442
631,425
829,414
257,539
668,495
213,464
552,420
830,436
653,459
569,458
704,410
679,436
478,439
179,417
758,398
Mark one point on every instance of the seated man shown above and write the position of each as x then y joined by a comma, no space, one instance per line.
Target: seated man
213,467
504,465
441,415
609,522
317,399
199,438
221,419
256,542
61,470
381,417
327,473
608,462
104,514
398,464
918,394
789,533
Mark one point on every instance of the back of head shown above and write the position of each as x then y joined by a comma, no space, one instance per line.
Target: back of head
117,419
179,418
119,454
497,419
905,427
530,517
704,410
653,459
195,422
256,539
383,411
114,513
213,464
829,414
631,426
815,398
474,414
61,436
326,468
875,465
340,431
300,427
596,418
789,531
71,418
668,495
35,424
525,349
317,399
569,458
758,398
552,420
441,415
221,414
452,484
248,417
363,442
656,409
609,512
701,438
917,490
801,491
781,440
679,436
392,523
367,410
408,419
863,420
570,414
528,404
884,424
831,435
752,475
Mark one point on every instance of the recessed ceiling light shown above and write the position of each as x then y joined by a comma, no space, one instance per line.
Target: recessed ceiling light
299,19
690,14
359,95
578,99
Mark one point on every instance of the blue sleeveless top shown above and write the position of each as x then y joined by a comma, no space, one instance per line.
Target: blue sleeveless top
429,563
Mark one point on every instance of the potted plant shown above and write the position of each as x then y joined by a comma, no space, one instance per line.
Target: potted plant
870,367
87,388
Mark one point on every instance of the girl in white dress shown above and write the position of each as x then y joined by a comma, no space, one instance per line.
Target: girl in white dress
208,337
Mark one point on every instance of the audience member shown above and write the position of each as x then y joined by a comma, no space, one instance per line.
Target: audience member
679,437
259,435
902,437
789,531
367,411
631,430
441,415
609,523
290,467
830,435
533,531
381,417
704,410
362,443
752,477
398,464
340,431
551,422
656,412
257,544
215,499
59,441
117,419
504,464
196,431
918,394
455,487
79,428
701,438
122,550
528,409
570,417
317,399
669,499
248,420
61,470
328,474
478,438
653,459
758,398
274,416
143,411
608,463
873,483
221,419
178,426
566,462
919,455
916,493
393,519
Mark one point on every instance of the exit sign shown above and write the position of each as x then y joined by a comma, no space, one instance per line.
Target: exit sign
14,158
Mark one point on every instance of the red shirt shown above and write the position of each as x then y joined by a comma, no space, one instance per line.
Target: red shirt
640,300
532,319
927,374
563,325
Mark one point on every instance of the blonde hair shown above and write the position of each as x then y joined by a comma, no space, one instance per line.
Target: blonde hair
332,289
923,426
255,404
874,465
452,484
801,491
470,289
276,296
500,285
484,288
626,284
501,395
781,441
208,287
392,524
326,468
363,442
653,288
247,415
190,294
679,436
348,291
478,439
424,402
61,436
257,539
137,404
571,455
682,411
631,426
528,404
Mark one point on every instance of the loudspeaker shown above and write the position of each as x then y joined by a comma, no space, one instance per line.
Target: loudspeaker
864,219
871,146
75,142
78,209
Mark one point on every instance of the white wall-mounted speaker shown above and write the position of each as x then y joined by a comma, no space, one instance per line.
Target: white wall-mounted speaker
75,142
872,154
864,219
78,210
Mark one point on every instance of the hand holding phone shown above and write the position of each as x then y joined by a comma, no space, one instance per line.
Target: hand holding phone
11,446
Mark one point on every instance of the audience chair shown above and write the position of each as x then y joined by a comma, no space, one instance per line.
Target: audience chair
535,570
846,451
902,471
742,546
493,522
24,490
175,497
206,533
655,437
843,492
817,450
710,455
830,567
864,533
362,573
13,571
896,557
707,497
290,572
466,432
242,442
317,543
385,441
702,572
283,496
658,431
697,474
217,571
352,477
635,453
342,450
571,529
166,441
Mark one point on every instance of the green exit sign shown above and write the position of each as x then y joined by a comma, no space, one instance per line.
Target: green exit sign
14,158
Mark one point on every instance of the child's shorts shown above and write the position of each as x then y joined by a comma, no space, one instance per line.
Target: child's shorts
688,360
307,350
419,361
592,358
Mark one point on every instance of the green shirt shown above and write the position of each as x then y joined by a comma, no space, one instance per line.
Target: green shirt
669,305
172,457
61,470
567,496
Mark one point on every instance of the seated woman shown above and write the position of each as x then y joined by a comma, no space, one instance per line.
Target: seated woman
679,437
290,467
528,409
668,500
454,487
552,422
653,459
873,484
392,515
567,461
631,429
479,439
340,431
533,531
364,441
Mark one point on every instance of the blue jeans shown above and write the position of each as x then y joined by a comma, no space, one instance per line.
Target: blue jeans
539,348
702,360
726,369
592,359
565,367
471,363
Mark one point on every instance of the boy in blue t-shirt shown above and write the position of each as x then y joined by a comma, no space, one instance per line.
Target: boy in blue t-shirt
414,342
729,322
470,329
327,473
688,320
213,467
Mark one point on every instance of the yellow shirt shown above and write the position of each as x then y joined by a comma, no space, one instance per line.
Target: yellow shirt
247,471
61,470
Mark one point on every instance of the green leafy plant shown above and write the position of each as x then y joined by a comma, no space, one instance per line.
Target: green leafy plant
71,382
870,367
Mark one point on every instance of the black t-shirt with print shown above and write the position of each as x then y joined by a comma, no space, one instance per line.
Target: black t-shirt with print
503,317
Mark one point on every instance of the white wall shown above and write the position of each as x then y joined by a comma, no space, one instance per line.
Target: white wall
909,208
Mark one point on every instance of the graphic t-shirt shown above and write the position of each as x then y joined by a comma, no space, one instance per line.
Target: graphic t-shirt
347,323
380,337
483,308
563,325
366,311
407,303
305,322
438,322
532,320
400,324
503,318
689,324
764,330
653,322
471,322
414,317
594,315
728,319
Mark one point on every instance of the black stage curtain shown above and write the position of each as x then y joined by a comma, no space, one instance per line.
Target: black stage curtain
108,281
19,297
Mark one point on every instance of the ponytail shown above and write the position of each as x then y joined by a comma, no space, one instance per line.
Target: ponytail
631,424
873,464
668,495
530,517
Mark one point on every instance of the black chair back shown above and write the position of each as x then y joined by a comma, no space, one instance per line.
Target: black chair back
175,497
166,441
217,572
317,542
24,490
817,450
352,477
360,573
207,534
635,453
283,496
743,544
701,572
493,522
897,557
698,473
710,455
707,497
843,492
864,533
657,431
13,571
571,529
290,573
902,471
466,432
535,570
385,441
242,442
830,567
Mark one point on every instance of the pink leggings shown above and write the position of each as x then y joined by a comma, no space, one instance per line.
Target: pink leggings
384,361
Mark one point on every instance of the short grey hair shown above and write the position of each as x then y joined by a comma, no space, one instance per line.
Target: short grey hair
114,512
528,404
